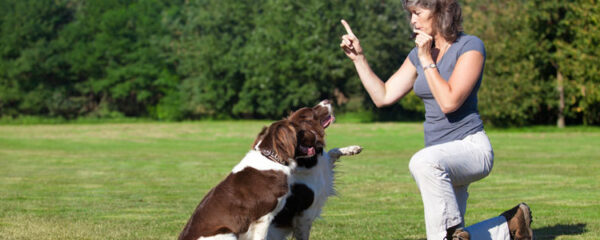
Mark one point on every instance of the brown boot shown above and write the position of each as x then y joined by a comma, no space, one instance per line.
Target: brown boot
519,222
457,233
461,234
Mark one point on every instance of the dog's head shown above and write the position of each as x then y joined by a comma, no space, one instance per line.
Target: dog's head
321,114
313,122
306,125
284,141
310,141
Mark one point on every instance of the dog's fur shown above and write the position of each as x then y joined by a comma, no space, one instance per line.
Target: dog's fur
243,205
313,177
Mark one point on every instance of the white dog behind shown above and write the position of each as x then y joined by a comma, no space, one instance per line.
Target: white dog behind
317,180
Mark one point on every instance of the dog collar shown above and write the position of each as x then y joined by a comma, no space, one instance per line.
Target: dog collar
269,154
273,156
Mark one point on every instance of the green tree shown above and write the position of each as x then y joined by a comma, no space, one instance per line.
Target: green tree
31,67
208,38
541,60
262,59
117,53
73,58
514,90
256,59
576,59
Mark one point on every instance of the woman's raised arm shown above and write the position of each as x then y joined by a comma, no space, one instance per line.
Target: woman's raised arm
382,94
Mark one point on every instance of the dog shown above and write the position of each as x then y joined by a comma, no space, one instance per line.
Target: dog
243,205
313,177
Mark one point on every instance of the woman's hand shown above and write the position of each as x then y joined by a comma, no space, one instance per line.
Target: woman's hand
424,43
350,43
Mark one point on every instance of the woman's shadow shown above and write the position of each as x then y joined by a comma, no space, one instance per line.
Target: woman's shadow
551,232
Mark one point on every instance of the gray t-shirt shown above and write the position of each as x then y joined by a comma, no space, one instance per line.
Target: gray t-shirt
440,127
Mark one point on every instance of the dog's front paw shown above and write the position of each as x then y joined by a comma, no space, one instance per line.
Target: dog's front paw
350,150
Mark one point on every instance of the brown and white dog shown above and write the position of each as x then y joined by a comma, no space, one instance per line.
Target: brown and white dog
312,178
243,205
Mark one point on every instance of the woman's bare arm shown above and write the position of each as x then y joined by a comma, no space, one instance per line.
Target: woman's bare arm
451,94
382,94
396,87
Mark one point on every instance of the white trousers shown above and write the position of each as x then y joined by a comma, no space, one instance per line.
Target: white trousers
443,173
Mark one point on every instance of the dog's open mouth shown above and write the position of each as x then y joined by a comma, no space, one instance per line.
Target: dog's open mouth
307,151
325,123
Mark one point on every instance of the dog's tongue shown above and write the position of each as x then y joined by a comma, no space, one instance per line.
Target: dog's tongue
328,121
311,151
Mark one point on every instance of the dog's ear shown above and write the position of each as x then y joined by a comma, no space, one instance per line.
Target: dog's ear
285,140
259,137
301,114
306,137
312,134
281,138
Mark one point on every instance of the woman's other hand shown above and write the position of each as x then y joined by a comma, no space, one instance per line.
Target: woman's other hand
424,42
350,43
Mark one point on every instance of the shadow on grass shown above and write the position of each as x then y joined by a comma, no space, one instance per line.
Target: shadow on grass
551,232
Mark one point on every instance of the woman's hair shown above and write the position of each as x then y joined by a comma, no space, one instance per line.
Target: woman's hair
446,13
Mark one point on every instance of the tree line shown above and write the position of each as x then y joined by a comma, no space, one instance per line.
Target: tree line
191,59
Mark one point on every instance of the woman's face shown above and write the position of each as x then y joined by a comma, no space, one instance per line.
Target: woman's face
422,19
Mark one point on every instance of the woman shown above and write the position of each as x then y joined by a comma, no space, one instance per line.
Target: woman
445,70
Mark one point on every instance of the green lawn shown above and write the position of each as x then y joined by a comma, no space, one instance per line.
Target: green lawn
143,180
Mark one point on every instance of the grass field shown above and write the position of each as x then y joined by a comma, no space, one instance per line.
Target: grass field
143,180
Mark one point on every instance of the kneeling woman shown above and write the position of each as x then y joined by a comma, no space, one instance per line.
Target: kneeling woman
445,70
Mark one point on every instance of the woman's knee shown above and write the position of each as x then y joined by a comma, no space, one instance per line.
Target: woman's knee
422,162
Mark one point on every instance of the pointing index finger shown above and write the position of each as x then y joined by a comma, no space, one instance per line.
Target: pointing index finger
347,27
